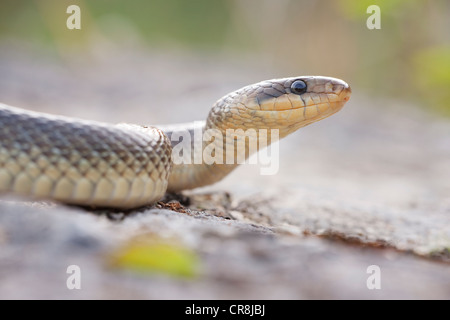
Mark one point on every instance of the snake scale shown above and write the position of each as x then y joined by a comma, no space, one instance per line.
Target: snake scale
127,166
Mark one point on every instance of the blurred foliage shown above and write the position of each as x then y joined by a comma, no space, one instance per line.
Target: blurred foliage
150,254
153,20
408,58
432,76
352,9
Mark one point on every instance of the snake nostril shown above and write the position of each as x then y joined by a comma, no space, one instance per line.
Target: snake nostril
337,87
340,87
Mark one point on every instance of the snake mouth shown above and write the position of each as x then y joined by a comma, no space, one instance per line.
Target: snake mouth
303,109
289,102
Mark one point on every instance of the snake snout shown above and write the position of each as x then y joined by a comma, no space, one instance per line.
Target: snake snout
346,93
340,88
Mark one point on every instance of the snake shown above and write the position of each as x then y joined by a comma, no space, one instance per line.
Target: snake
126,166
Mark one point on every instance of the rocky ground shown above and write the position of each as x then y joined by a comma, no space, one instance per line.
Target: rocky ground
368,186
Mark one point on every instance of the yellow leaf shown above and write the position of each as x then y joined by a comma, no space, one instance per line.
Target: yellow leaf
157,256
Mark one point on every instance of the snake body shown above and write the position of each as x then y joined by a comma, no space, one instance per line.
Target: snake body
126,166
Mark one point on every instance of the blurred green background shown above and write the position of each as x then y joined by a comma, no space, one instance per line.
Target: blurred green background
408,58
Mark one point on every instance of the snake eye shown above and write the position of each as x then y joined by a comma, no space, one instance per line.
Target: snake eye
298,87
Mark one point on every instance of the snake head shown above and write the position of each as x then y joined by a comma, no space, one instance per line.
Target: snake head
286,104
